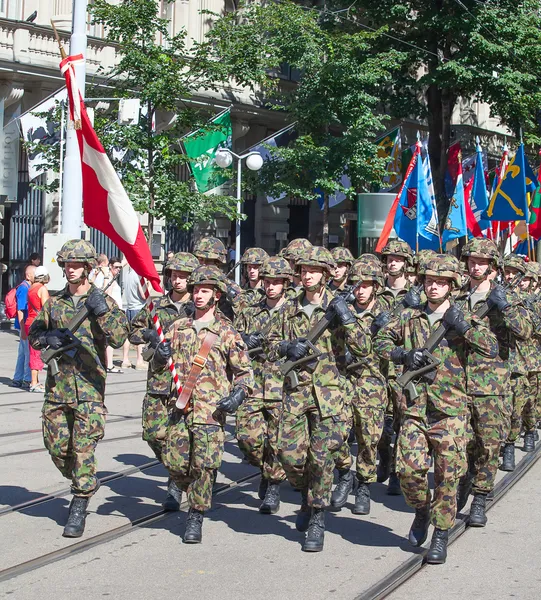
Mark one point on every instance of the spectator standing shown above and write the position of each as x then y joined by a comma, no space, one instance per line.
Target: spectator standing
38,294
22,376
101,275
135,300
35,259
115,292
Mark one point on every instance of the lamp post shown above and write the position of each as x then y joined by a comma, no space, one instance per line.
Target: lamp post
254,161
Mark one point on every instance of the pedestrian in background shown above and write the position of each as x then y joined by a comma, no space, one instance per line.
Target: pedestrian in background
22,376
135,300
35,259
115,292
101,275
38,294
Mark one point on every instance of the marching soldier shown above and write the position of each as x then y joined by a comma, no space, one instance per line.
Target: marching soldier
343,259
312,427
258,417
175,305
73,414
251,260
487,379
216,377
434,422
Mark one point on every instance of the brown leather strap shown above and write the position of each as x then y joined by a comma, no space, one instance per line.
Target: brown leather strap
198,363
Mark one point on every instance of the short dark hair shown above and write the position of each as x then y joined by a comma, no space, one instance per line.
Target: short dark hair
34,256
113,260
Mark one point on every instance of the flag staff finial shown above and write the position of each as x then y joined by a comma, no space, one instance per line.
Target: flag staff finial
58,41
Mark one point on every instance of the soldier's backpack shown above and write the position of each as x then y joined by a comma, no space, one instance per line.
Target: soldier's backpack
10,302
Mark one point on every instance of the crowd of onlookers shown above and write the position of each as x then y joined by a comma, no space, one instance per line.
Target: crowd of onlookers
32,293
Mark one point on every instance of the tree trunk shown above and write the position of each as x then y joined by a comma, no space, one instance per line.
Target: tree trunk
325,239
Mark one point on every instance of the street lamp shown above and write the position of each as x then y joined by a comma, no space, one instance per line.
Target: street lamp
254,161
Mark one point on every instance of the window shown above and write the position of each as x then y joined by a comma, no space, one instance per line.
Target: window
11,9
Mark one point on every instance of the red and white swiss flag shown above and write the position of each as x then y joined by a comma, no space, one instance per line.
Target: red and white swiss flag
106,205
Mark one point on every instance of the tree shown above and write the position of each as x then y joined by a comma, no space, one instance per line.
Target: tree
333,105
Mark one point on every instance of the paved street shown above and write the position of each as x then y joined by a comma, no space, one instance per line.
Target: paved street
244,554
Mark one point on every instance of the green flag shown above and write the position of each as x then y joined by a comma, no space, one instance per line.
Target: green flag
201,147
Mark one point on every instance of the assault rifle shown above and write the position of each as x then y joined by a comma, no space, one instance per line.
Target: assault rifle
50,355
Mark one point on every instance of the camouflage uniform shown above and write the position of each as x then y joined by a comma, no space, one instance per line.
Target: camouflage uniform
251,296
155,414
341,255
73,413
435,422
534,301
195,437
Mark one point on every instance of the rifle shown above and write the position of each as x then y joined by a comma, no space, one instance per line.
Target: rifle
49,355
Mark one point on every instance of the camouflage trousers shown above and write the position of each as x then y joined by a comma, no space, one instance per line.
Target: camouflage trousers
445,437
391,422
487,420
529,412
257,433
71,434
342,458
191,454
154,420
520,395
307,444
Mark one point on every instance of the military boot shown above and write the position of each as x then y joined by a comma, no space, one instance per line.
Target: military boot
477,511
419,527
384,465
362,499
529,441
77,516
263,485
271,503
393,489
303,516
536,435
464,490
343,488
174,497
508,462
315,536
194,525
437,554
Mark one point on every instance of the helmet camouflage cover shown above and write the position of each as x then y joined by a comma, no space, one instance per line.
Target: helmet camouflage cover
342,255
276,267
77,251
210,248
532,270
366,268
398,248
443,265
254,256
181,261
481,248
207,275
318,257
422,257
514,261
296,249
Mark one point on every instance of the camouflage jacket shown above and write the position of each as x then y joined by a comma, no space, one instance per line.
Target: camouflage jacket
447,394
168,313
251,297
267,376
391,299
228,365
528,348
81,378
321,384
490,376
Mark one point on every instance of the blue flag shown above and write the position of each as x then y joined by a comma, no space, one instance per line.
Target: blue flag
415,222
479,191
455,225
509,201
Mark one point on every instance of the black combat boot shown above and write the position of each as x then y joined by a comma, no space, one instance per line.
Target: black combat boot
384,465
536,434
419,527
362,499
77,516
393,489
477,511
194,525
303,516
174,497
343,488
315,536
263,485
508,462
464,490
437,553
529,441
271,503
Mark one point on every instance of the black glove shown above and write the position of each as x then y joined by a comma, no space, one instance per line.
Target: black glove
341,309
231,292
412,298
498,298
163,353
412,359
454,318
252,340
54,339
380,321
294,350
230,403
348,357
151,337
189,309
96,303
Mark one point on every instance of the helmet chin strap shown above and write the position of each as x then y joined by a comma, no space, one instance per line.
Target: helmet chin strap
83,277
210,303
318,286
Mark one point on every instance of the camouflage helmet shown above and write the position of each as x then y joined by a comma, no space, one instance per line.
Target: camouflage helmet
422,257
532,270
481,248
342,255
79,251
443,265
514,261
398,248
318,257
210,248
254,256
366,268
209,275
181,261
297,248
276,267
535,267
